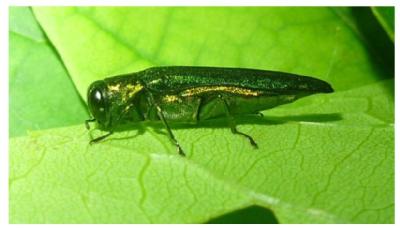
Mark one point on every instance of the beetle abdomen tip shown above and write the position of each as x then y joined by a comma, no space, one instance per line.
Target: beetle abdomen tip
328,89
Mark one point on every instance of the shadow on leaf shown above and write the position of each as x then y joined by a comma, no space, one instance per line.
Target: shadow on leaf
380,47
248,215
223,122
158,127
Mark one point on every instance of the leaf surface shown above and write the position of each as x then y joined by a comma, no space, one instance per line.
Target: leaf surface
41,93
385,16
334,171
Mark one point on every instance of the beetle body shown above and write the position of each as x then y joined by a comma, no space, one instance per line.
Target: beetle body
190,94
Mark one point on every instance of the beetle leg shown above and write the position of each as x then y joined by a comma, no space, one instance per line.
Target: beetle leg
161,115
98,139
196,116
232,123
260,114
87,123
171,135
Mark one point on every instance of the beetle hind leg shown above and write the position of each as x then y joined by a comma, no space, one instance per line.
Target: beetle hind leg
235,131
232,123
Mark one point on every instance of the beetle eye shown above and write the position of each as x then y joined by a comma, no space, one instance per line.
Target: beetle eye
97,101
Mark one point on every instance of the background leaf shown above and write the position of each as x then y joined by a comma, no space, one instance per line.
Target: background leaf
323,159
41,93
385,16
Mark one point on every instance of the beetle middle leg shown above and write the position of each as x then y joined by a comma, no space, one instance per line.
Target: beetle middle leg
171,135
162,118
232,123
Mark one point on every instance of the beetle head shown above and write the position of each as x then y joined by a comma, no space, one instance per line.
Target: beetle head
98,102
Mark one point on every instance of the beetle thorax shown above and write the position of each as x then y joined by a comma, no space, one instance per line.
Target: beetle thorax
124,92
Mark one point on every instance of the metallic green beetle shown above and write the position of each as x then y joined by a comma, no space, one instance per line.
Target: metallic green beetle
190,94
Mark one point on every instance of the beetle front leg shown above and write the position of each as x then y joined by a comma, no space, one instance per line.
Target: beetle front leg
232,123
87,123
98,139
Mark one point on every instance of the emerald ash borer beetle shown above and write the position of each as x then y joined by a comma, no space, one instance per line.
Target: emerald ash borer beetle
189,94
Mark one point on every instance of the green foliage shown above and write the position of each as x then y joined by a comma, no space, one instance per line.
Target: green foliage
385,16
323,159
41,93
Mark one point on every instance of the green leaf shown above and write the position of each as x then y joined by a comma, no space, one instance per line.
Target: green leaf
41,93
323,159
306,172
385,16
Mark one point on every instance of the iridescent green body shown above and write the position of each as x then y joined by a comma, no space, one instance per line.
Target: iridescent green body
190,94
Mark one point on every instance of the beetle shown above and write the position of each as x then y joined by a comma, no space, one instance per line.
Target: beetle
193,93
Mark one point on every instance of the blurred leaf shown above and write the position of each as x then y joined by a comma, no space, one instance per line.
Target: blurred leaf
323,159
41,93
385,16
381,48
